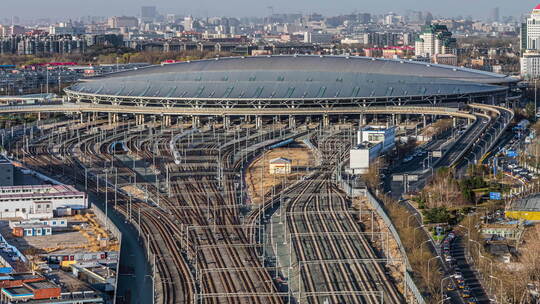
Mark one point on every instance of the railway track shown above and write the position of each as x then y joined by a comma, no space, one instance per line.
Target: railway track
201,249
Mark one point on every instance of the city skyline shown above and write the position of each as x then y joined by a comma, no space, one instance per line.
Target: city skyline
240,8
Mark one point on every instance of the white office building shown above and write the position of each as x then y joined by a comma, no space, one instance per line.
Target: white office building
373,142
188,23
530,45
530,65
377,134
320,38
38,202
530,32
434,39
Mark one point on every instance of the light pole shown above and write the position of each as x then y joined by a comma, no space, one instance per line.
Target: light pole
468,161
491,265
414,233
442,281
422,246
408,219
429,261
500,287
468,238
445,299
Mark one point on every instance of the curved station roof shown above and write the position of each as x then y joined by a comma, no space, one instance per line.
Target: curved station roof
291,78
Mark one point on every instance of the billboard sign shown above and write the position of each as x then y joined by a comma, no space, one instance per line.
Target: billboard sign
496,196
511,153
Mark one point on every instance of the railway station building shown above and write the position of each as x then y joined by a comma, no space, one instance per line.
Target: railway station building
291,87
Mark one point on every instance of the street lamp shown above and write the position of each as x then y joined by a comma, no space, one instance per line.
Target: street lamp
429,261
442,281
490,263
422,246
408,219
468,161
500,286
468,238
414,233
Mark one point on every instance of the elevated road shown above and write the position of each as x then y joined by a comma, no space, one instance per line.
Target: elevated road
194,111
479,138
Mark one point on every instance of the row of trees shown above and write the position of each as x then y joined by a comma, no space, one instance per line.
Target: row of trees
109,55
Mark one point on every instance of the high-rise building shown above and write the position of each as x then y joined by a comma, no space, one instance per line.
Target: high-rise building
530,45
66,29
188,23
381,39
364,18
116,22
318,38
391,19
530,32
530,65
494,15
148,13
434,39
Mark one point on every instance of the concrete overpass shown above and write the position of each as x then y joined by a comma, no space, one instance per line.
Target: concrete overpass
226,113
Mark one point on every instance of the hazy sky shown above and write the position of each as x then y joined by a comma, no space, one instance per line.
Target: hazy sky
239,8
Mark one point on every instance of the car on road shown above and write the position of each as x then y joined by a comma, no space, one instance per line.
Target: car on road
471,300
466,292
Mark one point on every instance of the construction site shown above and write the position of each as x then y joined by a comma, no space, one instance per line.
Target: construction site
83,233
75,254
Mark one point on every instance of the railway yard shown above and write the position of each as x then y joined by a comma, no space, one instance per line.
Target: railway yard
184,191
327,241
268,179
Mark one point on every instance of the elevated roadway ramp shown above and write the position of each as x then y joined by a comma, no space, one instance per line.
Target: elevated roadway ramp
194,111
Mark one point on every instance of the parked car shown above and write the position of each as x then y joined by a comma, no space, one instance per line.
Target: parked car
466,292
471,300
